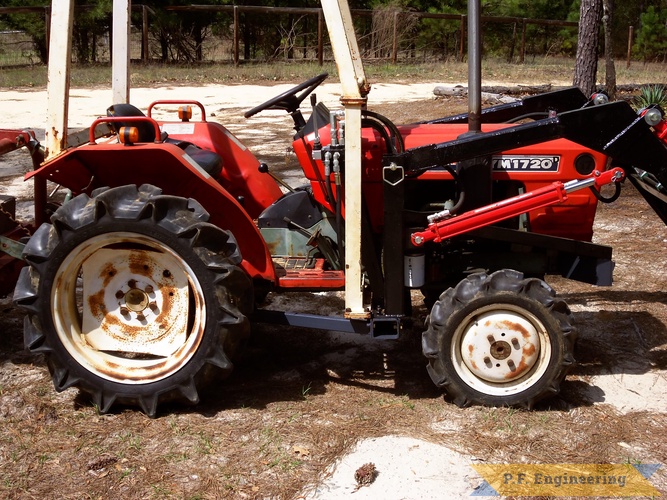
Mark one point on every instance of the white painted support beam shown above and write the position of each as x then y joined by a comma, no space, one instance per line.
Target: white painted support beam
355,88
345,48
354,303
60,50
120,52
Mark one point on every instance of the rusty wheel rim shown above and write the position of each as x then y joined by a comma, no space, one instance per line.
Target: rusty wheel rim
501,349
128,308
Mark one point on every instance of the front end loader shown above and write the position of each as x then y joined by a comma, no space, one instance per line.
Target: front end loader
142,284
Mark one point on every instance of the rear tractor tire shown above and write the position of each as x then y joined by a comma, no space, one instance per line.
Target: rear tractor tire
499,340
134,298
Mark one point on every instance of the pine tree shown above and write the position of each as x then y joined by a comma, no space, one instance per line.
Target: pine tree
586,65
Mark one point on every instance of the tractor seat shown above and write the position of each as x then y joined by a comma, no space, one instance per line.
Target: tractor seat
209,161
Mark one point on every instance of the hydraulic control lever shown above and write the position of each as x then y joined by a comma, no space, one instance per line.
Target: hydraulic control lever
264,169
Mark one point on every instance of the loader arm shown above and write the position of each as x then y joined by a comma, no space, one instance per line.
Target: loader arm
613,129
537,106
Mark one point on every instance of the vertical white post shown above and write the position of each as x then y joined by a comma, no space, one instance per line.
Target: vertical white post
345,48
354,303
355,88
120,52
60,50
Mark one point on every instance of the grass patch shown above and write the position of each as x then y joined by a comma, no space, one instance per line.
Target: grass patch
651,94
557,71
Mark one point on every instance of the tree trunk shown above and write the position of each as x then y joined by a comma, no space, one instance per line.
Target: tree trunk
610,68
586,65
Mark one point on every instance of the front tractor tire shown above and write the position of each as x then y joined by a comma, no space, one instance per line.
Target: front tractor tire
134,298
499,340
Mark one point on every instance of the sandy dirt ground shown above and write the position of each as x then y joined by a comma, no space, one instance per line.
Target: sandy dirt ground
622,349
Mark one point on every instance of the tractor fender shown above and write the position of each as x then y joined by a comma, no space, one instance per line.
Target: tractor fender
166,166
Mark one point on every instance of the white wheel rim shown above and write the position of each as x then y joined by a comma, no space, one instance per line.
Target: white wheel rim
501,350
128,308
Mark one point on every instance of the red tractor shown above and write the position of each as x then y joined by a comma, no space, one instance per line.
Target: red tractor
148,278
145,282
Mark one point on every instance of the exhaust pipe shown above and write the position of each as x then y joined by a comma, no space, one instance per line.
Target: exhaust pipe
474,67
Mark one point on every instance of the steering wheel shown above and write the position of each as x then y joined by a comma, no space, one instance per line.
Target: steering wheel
289,100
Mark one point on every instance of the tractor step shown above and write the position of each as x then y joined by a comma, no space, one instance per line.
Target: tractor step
306,273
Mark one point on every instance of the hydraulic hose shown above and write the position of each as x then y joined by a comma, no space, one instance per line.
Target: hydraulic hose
394,132
380,128
610,199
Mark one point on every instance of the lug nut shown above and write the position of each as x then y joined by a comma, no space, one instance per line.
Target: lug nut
120,294
653,116
153,306
132,283
124,311
599,99
149,289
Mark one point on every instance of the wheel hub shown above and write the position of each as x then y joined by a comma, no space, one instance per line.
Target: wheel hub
500,350
135,301
500,346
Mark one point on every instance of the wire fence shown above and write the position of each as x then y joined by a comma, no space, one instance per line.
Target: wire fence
240,34
17,48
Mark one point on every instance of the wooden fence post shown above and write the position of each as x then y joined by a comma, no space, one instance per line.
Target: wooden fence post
236,35
510,57
320,34
630,37
144,33
47,21
522,55
463,38
394,47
